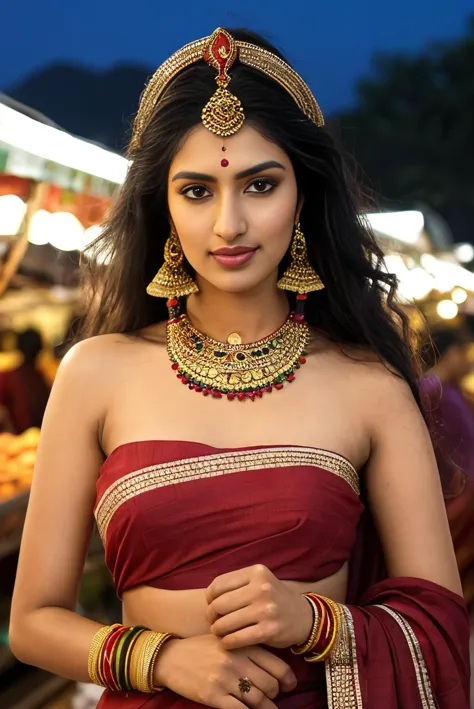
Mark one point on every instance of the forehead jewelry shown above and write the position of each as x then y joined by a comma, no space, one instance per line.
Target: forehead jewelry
223,114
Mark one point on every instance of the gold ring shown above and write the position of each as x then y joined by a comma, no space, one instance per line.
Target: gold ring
245,685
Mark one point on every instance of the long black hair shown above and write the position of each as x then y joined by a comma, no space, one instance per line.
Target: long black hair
357,307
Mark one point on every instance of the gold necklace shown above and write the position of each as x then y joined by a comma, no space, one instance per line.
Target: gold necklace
236,371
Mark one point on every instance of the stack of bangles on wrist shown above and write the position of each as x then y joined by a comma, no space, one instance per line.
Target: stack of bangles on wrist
323,634
122,658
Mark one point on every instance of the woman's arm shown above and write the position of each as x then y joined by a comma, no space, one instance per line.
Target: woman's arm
44,629
404,488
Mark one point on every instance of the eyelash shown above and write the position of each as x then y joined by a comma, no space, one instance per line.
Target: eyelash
266,180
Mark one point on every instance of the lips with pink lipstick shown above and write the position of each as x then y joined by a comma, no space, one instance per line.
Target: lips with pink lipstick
233,256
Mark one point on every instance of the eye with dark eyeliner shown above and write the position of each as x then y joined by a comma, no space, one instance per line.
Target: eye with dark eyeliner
190,192
268,184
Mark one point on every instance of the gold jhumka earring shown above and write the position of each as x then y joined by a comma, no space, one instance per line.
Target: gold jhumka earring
300,277
172,281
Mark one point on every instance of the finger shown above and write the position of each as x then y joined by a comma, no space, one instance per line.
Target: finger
255,698
228,582
228,603
251,635
268,684
233,622
230,702
274,666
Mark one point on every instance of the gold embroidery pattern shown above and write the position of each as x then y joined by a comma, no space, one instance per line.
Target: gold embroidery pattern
422,677
207,466
342,672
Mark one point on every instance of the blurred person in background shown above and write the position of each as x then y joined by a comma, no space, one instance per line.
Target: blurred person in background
452,420
244,404
24,390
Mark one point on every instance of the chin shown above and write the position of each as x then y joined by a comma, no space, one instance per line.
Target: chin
239,282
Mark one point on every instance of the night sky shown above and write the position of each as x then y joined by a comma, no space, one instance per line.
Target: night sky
330,43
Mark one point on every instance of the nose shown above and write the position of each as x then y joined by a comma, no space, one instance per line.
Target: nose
230,222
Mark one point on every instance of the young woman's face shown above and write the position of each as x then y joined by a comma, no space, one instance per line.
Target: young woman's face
235,222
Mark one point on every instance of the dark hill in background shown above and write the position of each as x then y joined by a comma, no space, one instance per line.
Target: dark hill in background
96,105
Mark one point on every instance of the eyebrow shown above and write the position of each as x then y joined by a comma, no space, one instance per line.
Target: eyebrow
185,175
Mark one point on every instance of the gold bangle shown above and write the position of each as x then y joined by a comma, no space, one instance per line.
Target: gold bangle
95,652
140,660
128,658
301,649
134,660
143,659
154,645
165,637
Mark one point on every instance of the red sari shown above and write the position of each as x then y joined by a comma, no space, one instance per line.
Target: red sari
174,515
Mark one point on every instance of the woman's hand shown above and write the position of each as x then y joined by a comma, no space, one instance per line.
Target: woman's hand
252,607
201,670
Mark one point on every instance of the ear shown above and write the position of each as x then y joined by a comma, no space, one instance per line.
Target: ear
299,208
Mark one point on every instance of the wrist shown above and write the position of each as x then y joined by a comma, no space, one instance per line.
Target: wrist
164,663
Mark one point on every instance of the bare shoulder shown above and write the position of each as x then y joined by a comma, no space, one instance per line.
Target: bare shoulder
380,388
376,386
385,402
99,356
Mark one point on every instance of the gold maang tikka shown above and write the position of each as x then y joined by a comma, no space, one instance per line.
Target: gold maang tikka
223,114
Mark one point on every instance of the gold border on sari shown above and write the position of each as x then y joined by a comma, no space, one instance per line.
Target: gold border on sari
422,677
342,670
207,466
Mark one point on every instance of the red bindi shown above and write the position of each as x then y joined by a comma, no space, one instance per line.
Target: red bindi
224,163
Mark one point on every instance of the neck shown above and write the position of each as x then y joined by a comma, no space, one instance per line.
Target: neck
253,315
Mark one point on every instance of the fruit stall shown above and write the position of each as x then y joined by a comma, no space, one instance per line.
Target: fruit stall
55,189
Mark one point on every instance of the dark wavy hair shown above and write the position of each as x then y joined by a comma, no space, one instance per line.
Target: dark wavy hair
357,307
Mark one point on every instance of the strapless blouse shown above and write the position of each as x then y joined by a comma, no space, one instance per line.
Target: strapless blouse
176,514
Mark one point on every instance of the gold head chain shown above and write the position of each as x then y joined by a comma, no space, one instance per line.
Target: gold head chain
223,115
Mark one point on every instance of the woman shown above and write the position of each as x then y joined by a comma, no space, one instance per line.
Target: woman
24,390
453,426
229,501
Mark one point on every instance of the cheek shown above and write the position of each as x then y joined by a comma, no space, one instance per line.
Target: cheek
191,225
275,225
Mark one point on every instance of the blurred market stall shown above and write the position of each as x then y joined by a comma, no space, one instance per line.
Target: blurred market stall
55,190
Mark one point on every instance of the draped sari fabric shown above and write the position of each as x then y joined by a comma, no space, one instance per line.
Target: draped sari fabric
452,421
175,515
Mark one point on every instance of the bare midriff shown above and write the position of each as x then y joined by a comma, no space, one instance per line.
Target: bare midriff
184,612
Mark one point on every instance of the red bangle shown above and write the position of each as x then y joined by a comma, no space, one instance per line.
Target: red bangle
324,625
322,650
106,659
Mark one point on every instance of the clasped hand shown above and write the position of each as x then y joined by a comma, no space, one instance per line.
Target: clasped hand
252,607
